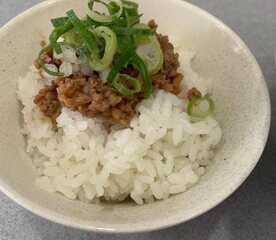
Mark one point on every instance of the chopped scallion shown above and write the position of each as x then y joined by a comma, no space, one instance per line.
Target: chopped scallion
123,89
42,64
194,108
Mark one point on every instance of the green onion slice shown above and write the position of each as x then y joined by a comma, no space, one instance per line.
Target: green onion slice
90,39
129,4
120,63
131,15
86,36
56,34
141,66
124,90
73,38
195,107
50,72
130,57
42,64
132,31
150,51
110,49
58,22
114,8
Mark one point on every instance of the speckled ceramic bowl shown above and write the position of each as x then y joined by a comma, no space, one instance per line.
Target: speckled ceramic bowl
239,89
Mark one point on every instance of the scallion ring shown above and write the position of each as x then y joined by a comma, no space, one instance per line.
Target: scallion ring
132,16
130,4
50,72
42,64
100,64
101,17
57,33
139,64
132,31
86,36
121,62
124,90
194,105
150,51
59,21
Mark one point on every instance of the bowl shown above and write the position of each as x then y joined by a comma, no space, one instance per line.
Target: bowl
242,108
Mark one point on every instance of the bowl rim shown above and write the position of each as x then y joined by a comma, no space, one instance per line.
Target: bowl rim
67,221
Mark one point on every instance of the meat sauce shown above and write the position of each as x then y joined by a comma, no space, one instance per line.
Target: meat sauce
92,97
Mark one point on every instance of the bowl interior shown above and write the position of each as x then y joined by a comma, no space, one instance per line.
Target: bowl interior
242,108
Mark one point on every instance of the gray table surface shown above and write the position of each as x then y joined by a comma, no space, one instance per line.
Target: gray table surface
250,213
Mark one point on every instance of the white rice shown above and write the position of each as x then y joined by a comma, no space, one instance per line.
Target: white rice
160,154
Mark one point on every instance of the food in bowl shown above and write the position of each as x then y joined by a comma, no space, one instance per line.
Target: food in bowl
112,111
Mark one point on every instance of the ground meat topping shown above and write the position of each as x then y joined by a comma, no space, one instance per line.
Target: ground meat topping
171,62
193,93
47,101
94,98
152,24
168,79
71,92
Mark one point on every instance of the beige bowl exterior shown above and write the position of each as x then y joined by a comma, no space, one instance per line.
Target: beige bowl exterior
239,89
